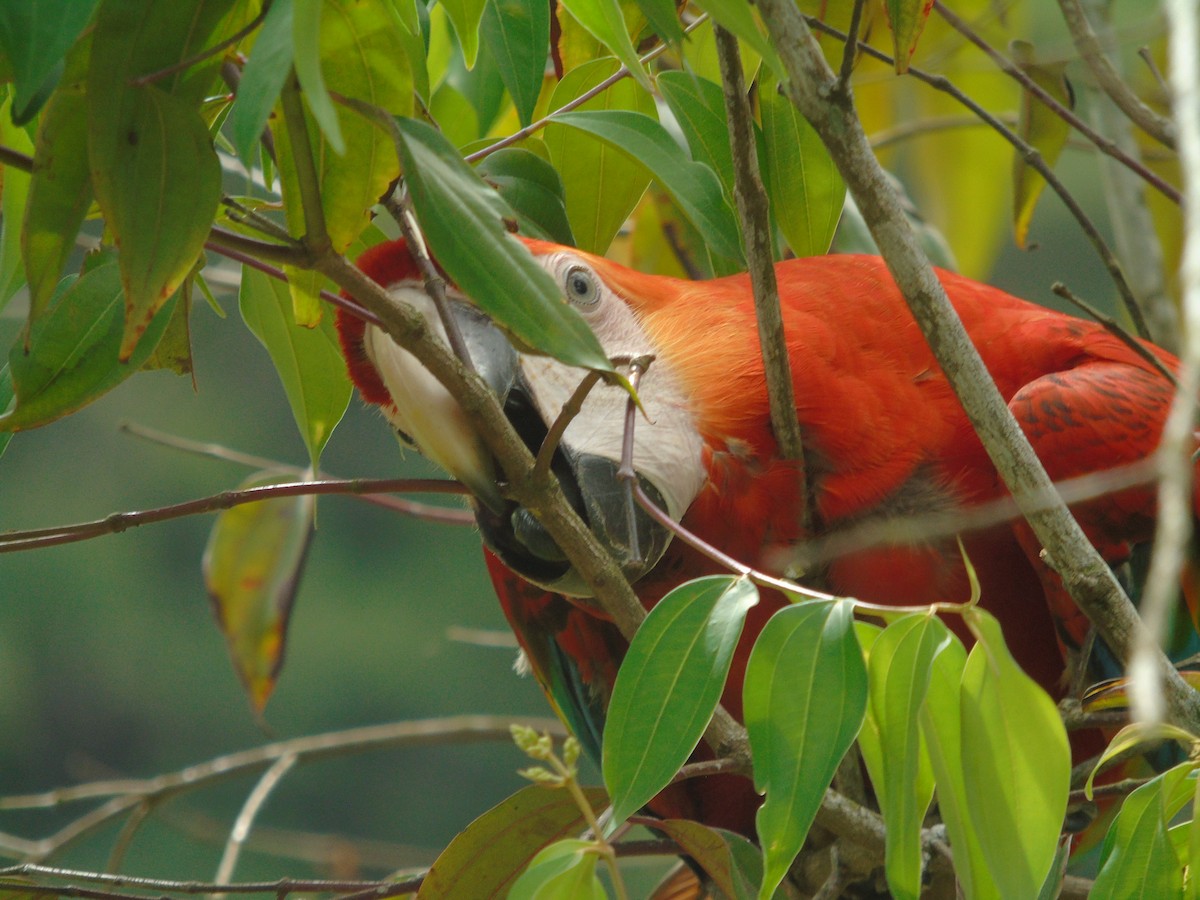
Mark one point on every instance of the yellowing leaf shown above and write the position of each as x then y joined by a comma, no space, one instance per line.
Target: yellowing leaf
907,20
252,569
1041,128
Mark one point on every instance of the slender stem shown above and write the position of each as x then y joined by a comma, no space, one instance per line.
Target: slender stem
1087,43
1103,144
249,812
37,538
316,237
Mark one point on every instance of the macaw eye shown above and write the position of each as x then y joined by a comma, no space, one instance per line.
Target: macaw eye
581,286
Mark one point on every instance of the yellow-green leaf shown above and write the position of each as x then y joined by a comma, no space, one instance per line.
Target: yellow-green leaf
1041,128
308,360
602,184
1016,762
60,191
605,21
252,568
14,189
465,16
907,20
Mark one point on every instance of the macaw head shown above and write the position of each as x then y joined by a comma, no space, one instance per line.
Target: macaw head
532,389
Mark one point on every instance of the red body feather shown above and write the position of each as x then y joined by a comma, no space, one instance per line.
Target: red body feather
884,436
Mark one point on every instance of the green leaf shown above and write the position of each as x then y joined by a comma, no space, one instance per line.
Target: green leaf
1138,858
534,191
1016,762
461,217
308,360
465,16
804,186
1041,128
6,399
307,22
15,191
668,686
941,726
563,871
664,19
262,79
737,16
153,167
907,20
252,567
693,186
602,184
35,36
699,107
605,22
805,696
60,191
72,355
486,857
517,33
899,666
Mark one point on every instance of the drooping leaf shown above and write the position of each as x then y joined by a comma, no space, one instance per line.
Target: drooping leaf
517,34
699,107
692,185
60,191
604,20
173,351
941,724
461,217
35,36
534,191
1042,129
563,871
489,854
739,18
1131,736
669,685
308,360
907,20
1138,858
263,78
307,24
723,855
15,184
806,190
252,567
153,167
899,666
602,184
804,700
73,350
363,60
664,19
465,15
1016,762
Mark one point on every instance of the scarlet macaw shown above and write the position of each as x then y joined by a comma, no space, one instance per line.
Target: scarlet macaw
884,438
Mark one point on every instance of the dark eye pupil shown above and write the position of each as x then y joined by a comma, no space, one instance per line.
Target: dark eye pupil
579,285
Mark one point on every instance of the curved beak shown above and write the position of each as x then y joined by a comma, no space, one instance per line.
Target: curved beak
589,480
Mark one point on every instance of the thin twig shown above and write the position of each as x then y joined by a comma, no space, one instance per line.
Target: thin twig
1103,144
37,538
534,127
1087,43
570,409
249,812
206,53
1112,326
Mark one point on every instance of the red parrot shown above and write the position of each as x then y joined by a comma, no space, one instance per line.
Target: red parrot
884,439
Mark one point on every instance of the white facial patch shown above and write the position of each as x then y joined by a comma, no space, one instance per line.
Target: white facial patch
423,409
667,448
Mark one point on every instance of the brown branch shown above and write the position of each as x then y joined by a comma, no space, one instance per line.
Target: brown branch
811,86
751,199
37,538
1087,43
